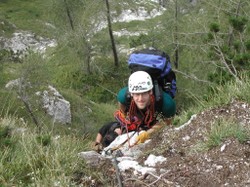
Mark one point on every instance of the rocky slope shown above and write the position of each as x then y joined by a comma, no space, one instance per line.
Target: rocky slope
225,165
186,163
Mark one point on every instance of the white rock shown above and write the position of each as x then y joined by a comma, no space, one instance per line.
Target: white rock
186,138
152,160
223,147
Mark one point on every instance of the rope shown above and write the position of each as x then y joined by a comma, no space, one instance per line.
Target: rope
133,121
146,118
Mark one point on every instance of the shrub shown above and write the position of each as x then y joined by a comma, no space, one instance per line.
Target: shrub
214,27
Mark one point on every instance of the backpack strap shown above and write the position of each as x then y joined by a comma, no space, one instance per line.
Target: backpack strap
128,100
158,93
169,83
114,126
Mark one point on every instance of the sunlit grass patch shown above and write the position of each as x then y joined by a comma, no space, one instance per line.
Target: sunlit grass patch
225,128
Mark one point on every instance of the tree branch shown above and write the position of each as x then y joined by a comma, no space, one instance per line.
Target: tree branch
113,93
193,77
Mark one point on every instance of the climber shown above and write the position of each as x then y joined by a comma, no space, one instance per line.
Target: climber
107,133
137,107
137,111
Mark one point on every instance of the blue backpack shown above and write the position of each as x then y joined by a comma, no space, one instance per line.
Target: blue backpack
157,64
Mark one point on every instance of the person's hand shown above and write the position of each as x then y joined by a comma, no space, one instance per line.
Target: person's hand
118,131
97,147
142,137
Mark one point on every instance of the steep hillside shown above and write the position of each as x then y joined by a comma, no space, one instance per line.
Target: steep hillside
211,149
188,165
190,160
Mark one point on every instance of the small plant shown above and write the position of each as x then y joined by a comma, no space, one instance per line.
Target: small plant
189,114
4,132
247,44
4,55
214,27
5,138
44,140
242,59
176,121
138,41
238,23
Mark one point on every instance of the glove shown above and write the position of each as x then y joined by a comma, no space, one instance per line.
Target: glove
97,147
143,136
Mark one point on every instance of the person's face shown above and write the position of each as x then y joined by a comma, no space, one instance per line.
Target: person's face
142,100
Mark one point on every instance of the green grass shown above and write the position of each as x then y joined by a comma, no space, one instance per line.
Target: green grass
223,129
222,95
28,15
30,158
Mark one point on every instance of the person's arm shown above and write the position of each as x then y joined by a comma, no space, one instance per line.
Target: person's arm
159,125
144,135
154,129
98,138
97,144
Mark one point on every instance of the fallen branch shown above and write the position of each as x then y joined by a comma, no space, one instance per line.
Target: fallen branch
134,179
158,177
